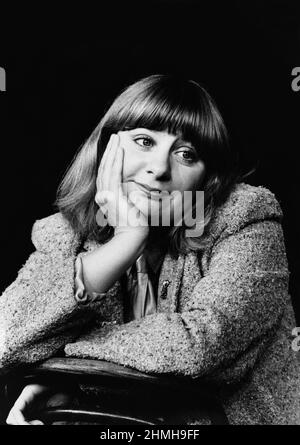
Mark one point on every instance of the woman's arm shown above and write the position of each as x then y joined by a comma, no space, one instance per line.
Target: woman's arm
38,312
227,318
104,266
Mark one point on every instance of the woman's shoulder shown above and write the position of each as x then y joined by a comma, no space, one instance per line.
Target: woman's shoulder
54,232
246,204
259,201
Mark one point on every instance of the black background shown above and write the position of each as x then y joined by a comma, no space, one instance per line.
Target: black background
64,67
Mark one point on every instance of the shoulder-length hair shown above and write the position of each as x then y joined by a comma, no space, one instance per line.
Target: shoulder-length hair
161,103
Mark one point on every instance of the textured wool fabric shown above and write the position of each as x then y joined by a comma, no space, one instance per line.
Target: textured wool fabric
224,314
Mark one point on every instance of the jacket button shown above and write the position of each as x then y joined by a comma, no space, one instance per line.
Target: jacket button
164,289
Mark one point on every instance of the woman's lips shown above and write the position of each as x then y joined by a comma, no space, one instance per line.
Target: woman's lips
147,187
153,194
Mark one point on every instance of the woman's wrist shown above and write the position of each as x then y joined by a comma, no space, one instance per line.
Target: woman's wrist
139,231
104,265
136,237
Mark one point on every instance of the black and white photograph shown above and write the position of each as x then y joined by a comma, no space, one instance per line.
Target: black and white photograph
149,217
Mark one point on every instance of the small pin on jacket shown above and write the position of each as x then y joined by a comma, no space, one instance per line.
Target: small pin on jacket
164,288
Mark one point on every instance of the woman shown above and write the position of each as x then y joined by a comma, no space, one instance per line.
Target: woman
216,306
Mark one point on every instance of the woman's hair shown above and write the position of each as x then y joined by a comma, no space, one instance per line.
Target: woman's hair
161,103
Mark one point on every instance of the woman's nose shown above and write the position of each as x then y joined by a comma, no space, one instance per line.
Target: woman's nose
159,165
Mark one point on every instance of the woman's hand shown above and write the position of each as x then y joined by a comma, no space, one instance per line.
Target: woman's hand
118,211
33,398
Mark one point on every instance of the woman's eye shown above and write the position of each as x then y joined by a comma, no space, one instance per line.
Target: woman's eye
188,156
144,141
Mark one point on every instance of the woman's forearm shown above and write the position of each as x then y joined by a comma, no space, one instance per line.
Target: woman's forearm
104,266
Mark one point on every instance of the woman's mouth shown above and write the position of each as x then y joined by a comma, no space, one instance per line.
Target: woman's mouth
152,193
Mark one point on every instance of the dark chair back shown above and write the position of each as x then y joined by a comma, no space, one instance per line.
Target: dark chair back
109,394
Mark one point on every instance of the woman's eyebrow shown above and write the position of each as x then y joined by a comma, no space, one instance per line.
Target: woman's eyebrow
183,141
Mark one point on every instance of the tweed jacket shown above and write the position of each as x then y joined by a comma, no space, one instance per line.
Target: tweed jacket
226,316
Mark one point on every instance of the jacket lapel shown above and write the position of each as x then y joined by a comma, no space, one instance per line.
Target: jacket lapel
177,281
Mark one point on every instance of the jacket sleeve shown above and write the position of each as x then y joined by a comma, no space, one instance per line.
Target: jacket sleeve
224,323
38,312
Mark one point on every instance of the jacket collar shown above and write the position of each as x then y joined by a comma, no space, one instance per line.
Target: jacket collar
153,259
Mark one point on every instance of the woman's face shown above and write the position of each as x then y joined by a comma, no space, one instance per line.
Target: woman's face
159,160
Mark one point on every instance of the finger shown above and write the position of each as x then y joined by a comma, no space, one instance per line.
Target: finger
35,422
116,177
15,417
102,201
29,393
101,219
109,166
103,164
10,420
27,396
116,174
101,198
